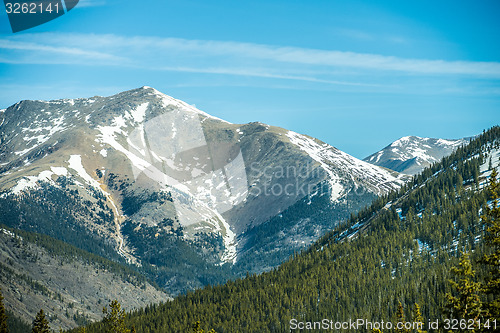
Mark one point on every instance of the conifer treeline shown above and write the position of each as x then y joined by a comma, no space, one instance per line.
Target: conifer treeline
476,299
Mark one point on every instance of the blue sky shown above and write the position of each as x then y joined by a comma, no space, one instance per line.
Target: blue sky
355,74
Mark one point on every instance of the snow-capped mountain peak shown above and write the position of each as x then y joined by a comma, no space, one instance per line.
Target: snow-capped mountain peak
411,154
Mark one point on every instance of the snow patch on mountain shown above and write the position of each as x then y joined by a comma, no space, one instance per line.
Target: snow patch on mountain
30,182
139,113
60,171
108,136
44,130
75,163
24,151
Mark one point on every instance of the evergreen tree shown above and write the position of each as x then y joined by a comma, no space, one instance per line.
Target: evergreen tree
465,303
3,316
491,219
197,328
401,318
418,318
40,324
114,318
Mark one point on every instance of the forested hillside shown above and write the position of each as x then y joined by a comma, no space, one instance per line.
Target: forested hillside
69,284
399,250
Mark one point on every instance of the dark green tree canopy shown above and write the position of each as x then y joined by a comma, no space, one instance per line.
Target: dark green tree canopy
114,318
40,324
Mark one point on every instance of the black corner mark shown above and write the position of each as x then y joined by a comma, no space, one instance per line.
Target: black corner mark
31,13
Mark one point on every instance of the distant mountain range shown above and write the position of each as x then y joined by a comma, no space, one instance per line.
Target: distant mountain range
412,154
185,198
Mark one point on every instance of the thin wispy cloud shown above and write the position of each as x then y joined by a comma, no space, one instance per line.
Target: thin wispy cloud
263,74
131,46
232,58
38,48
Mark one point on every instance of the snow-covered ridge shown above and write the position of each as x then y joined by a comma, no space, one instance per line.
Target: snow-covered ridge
332,160
405,140
427,142
169,100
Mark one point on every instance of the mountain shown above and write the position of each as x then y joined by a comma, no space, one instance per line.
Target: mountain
189,199
370,270
412,154
71,285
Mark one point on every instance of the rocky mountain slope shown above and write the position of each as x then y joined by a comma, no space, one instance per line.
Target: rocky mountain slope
190,199
412,154
71,286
